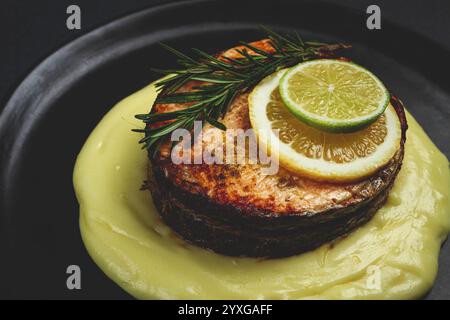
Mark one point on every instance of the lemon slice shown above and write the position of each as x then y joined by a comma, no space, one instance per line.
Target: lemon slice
334,95
315,153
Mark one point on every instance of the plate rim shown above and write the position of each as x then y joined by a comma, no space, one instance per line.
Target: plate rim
9,117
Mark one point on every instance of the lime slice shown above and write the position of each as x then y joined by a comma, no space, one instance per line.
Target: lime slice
316,153
333,95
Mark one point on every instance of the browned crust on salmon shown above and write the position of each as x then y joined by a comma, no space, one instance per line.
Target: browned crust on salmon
238,211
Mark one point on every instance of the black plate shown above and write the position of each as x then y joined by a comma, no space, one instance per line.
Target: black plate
49,116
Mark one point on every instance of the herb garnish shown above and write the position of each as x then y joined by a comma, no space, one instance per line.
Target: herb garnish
222,80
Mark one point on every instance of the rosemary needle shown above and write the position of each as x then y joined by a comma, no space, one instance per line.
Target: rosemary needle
222,80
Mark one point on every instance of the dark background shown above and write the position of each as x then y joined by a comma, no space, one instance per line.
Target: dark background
31,30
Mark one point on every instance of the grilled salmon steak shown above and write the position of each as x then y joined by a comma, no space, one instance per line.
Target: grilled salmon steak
238,210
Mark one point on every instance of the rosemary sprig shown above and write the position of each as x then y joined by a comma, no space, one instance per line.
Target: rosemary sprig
223,79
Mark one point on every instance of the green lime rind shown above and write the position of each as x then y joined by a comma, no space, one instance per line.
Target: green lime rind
332,125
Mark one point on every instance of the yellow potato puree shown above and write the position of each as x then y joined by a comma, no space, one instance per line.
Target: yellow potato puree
394,256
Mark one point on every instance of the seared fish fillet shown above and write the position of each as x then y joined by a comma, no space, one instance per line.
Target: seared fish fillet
237,210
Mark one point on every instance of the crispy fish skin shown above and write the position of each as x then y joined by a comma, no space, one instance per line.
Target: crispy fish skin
239,211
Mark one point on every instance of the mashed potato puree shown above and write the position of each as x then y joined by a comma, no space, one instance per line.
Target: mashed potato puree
394,256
